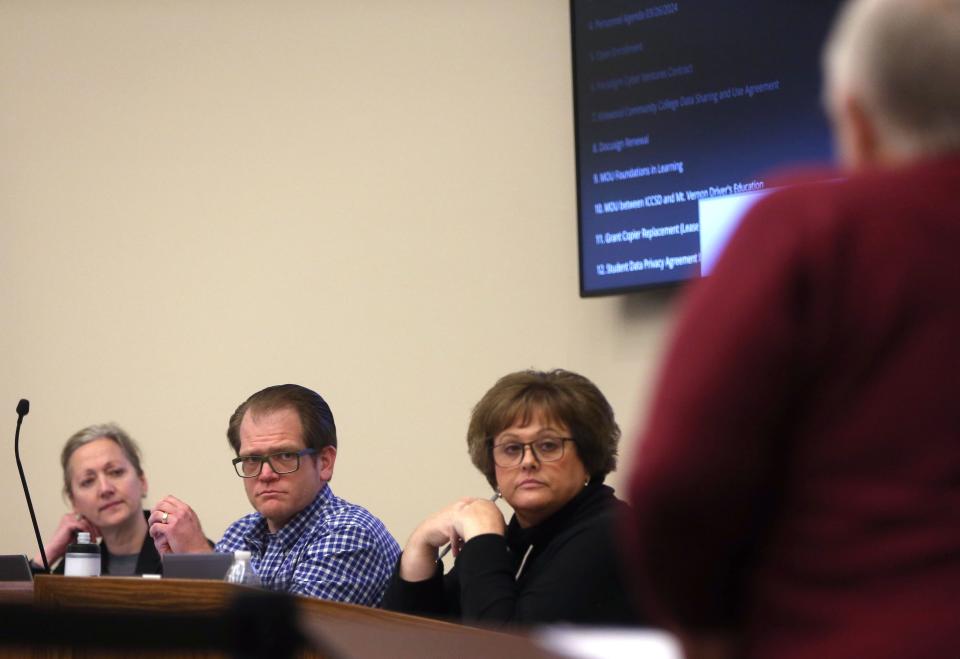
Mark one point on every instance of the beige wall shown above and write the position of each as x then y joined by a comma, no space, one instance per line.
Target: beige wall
200,198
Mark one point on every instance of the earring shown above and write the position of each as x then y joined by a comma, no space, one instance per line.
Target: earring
586,482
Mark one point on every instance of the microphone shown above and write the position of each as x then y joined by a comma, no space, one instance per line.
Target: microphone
23,408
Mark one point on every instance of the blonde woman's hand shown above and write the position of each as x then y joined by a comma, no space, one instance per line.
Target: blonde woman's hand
70,524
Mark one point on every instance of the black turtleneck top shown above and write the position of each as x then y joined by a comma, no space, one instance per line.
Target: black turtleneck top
565,569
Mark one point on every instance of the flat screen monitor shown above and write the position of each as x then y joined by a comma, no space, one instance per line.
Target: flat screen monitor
683,110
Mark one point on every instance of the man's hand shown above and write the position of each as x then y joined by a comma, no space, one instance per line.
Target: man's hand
175,528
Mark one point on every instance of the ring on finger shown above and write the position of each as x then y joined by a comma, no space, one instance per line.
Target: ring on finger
163,518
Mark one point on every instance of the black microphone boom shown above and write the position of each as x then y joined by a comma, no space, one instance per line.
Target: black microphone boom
23,408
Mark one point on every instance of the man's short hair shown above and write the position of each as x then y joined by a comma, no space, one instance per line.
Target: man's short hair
560,396
901,60
316,419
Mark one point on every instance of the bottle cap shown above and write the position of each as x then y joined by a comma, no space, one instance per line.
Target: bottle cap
241,555
83,538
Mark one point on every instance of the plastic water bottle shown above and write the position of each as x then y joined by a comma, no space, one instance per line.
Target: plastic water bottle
83,557
241,571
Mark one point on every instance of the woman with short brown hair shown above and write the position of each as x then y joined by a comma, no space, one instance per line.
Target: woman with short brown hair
545,442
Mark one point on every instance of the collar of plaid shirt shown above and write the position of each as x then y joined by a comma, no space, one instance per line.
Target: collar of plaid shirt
331,549
259,537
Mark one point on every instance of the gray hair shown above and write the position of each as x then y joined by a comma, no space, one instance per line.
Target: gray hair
901,60
93,433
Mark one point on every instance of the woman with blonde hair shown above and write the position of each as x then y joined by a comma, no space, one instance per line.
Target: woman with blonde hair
104,483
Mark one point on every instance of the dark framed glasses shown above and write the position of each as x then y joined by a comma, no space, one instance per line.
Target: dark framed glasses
281,462
545,449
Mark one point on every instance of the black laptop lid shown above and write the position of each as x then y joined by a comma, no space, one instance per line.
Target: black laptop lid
15,567
196,566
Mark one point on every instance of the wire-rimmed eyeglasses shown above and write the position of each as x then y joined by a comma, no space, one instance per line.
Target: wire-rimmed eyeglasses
545,449
281,462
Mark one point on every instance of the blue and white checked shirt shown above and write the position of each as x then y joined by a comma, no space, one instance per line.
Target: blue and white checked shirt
331,549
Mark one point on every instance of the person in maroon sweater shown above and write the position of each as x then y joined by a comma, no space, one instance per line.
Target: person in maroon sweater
797,490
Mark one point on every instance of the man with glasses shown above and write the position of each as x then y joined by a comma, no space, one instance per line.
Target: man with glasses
302,538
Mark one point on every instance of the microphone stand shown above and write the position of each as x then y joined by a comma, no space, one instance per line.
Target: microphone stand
22,409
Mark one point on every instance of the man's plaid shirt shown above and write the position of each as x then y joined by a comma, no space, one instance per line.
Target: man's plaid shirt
331,549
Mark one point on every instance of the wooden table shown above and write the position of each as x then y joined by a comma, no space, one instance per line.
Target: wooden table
163,608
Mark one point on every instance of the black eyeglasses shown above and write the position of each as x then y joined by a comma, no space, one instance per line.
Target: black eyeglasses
545,449
282,462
